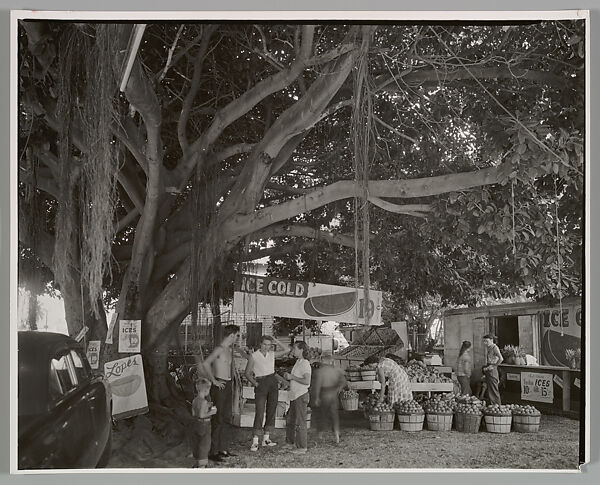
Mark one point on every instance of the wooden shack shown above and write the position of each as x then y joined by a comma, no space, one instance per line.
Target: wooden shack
535,327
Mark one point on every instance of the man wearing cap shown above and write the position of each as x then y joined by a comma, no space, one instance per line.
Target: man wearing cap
493,359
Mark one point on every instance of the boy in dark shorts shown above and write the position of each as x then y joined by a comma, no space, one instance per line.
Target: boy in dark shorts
202,410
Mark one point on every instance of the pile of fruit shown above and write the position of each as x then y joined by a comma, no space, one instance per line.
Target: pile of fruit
368,367
469,409
447,399
418,372
348,394
408,407
437,407
369,402
525,410
382,407
497,410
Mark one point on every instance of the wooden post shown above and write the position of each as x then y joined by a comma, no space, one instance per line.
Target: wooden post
566,391
303,331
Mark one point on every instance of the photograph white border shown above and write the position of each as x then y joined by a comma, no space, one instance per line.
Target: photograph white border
383,16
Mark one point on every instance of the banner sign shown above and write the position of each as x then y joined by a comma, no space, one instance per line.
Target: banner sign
268,296
537,387
126,378
93,353
559,334
130,336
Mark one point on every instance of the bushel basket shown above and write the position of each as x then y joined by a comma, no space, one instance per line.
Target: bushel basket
439,421
411,422
382,421
350,403
368,375
526,423
468,423
498,424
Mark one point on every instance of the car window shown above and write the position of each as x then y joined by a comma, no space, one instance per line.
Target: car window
62,376
82,368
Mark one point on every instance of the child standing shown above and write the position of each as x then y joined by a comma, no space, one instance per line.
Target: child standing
202,410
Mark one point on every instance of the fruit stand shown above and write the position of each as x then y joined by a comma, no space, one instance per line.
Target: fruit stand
422,379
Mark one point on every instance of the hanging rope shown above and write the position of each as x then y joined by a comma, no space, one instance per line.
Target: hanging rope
362,128
195,263
558,259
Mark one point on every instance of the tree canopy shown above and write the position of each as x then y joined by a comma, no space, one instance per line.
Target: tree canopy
236,141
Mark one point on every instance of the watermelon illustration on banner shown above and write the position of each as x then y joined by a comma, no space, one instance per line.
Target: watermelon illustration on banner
130,336
93,353
126,379
298,299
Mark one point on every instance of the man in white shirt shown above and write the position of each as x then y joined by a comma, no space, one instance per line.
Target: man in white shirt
260,371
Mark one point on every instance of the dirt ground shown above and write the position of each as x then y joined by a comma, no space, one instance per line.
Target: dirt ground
555,446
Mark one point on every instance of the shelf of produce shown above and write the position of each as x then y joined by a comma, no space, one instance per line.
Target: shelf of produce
414,386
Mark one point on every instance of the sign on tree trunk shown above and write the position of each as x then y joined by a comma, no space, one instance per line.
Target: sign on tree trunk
126,378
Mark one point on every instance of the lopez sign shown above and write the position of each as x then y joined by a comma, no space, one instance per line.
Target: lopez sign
258,295
126,378
537,387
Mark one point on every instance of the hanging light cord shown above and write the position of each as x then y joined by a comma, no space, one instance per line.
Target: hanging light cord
558,259
513,220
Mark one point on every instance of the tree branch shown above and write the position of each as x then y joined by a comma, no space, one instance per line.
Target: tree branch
239,106
411,209
423,187
439,76
191,95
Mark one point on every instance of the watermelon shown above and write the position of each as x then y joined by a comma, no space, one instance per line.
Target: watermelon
330,305
554,346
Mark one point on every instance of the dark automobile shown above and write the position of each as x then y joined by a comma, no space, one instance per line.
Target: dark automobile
64,409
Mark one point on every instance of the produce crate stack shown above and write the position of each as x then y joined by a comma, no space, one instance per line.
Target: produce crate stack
526,419
368,372
410,415
353,374
498,418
